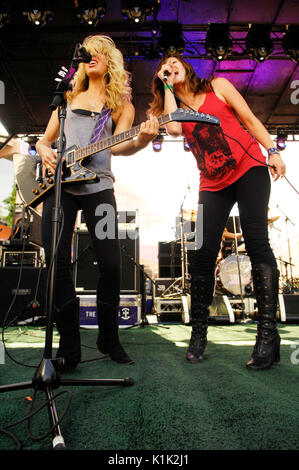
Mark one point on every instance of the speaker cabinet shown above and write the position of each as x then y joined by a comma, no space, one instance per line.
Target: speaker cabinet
289,308
85,266
169,254
17,293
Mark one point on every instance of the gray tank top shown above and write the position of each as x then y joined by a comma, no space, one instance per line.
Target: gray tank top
79,127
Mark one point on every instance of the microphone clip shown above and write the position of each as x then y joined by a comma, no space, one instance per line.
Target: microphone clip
83,55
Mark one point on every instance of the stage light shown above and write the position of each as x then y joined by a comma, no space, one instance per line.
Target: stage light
137,11
91,12
281,141
218,43
186,145
32,149
157,143
32,145
290,42
170,41
259,45
5,13
36,15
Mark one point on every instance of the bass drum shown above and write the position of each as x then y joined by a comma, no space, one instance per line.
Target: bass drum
227,275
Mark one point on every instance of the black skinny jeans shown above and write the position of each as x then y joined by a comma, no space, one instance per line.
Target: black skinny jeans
106,250
251,192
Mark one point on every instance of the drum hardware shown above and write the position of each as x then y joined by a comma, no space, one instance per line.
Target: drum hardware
245,316
181,286
286,287
289,263
273,219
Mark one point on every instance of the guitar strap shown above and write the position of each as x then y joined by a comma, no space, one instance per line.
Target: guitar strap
101,120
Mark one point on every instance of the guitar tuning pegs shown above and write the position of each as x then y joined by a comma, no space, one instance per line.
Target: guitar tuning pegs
62,73
58,80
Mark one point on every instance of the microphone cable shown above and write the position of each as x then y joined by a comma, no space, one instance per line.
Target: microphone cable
230,137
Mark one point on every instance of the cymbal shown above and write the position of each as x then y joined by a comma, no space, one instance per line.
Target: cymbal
273,219
191,214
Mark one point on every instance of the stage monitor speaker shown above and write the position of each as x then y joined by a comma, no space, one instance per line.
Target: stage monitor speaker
32,284
289,308
85,266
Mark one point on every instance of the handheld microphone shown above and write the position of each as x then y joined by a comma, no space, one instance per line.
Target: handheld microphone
84,56
165,75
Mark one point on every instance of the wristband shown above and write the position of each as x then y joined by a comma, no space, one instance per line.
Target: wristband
168,86
272,150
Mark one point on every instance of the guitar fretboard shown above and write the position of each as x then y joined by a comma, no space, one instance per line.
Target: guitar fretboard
110,141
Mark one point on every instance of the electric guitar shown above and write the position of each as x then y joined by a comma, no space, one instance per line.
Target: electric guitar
74,171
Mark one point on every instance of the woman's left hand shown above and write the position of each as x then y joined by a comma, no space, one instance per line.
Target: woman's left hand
148,130
279,168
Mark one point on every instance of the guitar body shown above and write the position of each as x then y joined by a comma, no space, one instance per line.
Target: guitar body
35,192
74,172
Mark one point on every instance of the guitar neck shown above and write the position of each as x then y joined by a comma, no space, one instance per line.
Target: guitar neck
103,144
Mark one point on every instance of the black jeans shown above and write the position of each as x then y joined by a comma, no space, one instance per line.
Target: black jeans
251,192
107,250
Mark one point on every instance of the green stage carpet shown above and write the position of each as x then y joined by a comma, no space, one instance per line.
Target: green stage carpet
173,405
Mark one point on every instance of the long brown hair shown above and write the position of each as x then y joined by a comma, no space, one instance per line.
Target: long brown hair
192,82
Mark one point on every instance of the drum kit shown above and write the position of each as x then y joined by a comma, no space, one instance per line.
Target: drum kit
233,267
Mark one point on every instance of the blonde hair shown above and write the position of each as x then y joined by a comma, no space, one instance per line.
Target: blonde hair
117,79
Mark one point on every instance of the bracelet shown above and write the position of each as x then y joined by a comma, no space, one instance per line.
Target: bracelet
168,86
272,150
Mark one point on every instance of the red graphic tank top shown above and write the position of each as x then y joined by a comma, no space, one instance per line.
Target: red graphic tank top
221,160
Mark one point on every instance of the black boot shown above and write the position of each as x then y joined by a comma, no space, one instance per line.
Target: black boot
267,347
108,339
68,326
202,292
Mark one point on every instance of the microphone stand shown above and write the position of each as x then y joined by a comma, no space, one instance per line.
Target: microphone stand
287,219
143,293
182,290
239,270
47,376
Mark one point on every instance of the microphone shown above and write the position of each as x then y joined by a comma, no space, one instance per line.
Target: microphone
165,75
84,56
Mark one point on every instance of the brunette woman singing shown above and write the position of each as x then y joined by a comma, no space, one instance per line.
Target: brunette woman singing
227,175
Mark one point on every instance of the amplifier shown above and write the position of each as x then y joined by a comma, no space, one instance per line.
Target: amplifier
19,258
289,308
85,266
169,254
19,288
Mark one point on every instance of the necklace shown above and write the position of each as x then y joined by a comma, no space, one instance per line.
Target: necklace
95,105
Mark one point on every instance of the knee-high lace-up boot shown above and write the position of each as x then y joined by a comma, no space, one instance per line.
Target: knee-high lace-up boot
202,292
267,347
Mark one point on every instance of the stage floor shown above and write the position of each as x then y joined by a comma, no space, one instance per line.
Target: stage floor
174,405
